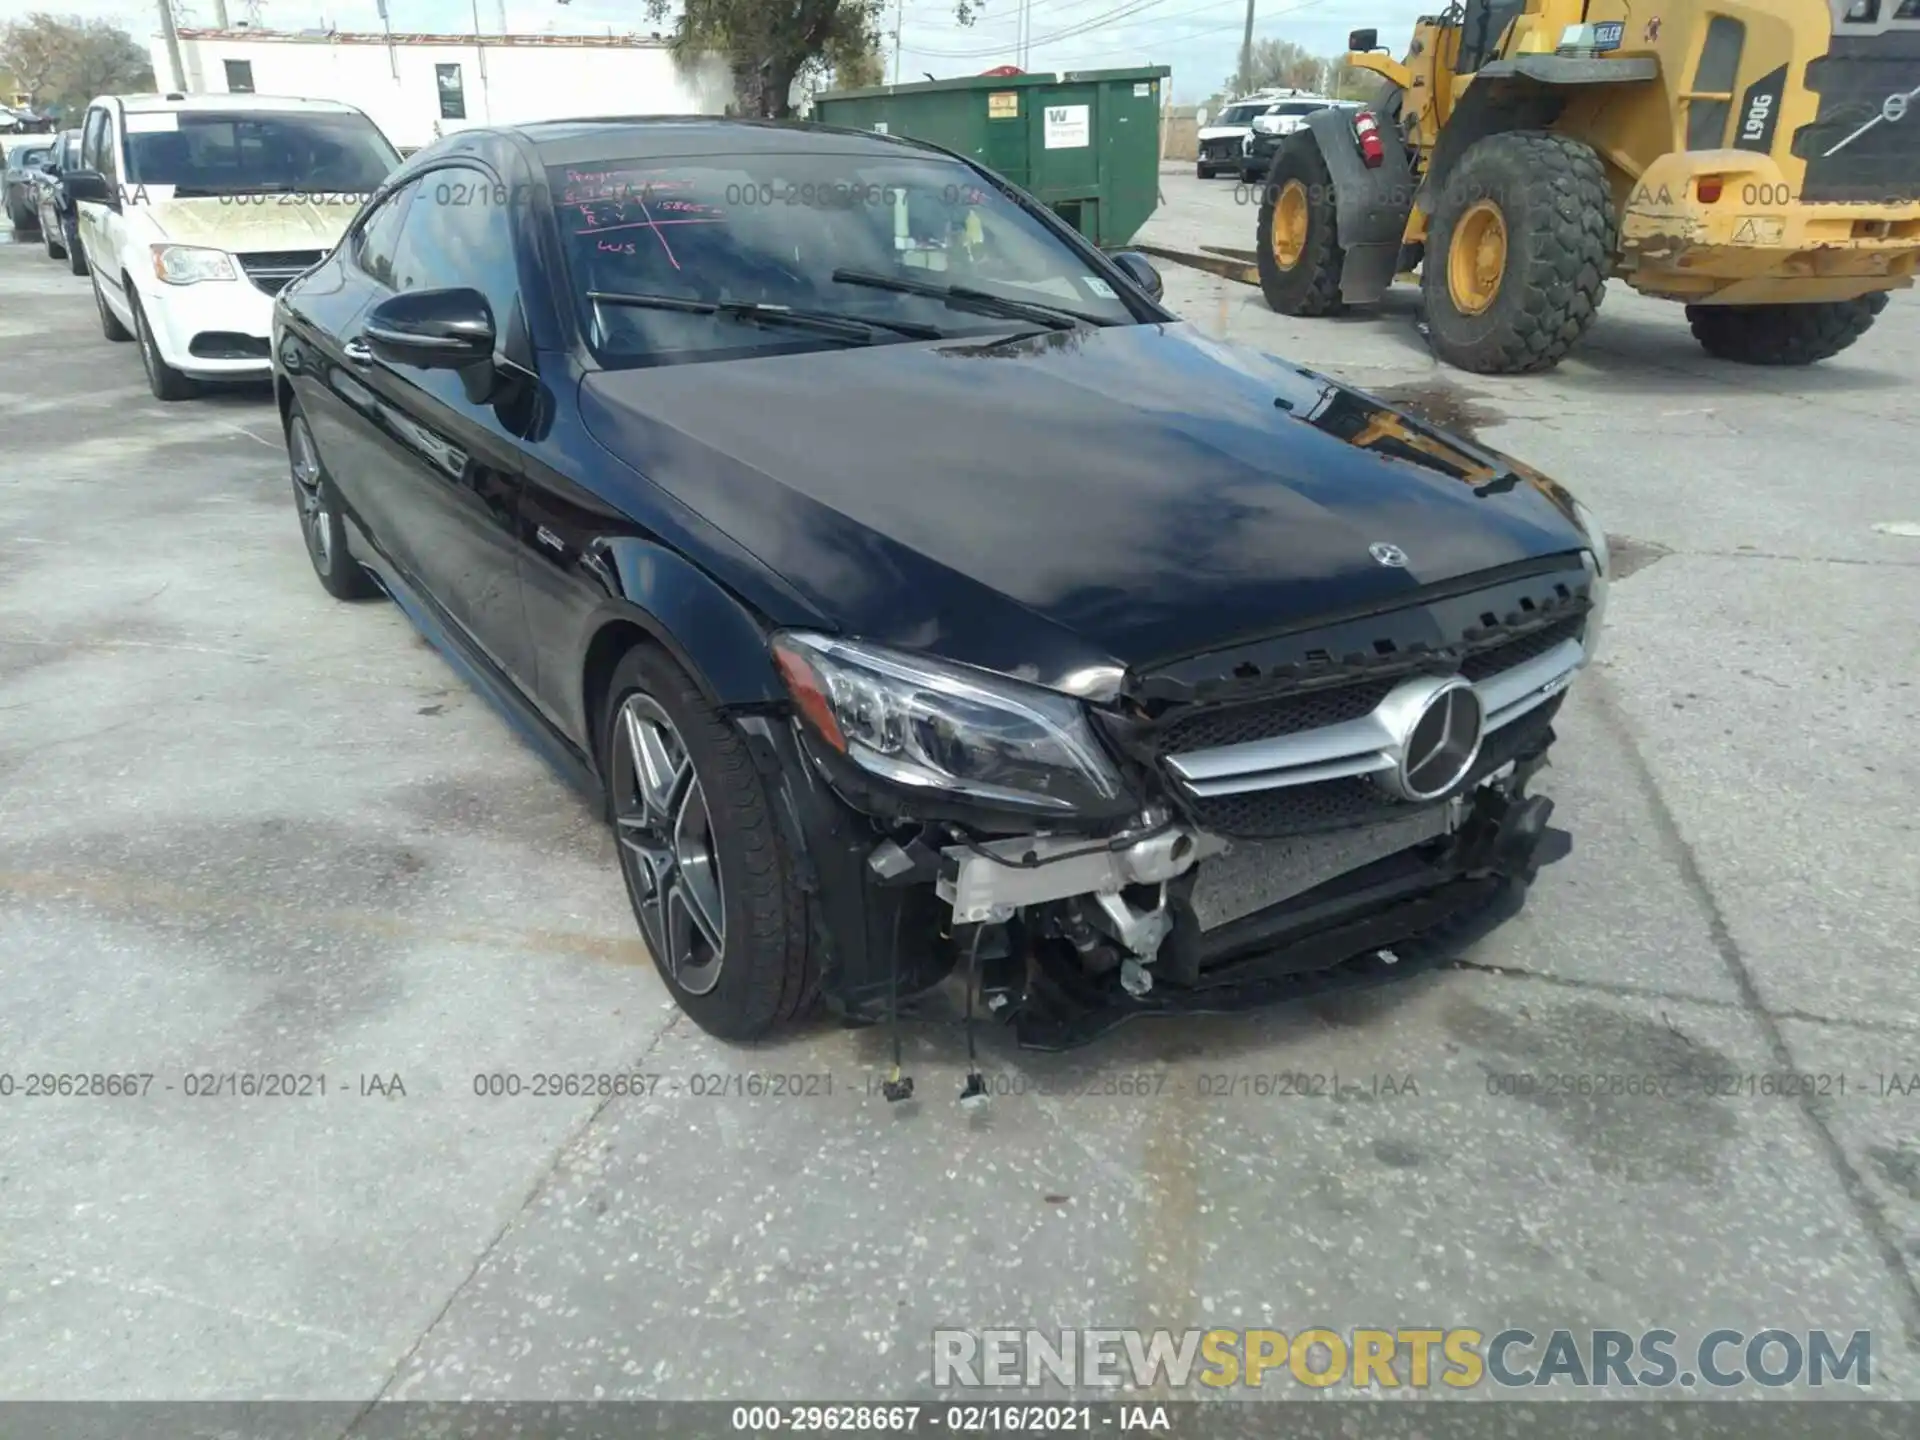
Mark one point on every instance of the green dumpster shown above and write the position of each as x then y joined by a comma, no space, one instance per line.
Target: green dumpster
1087,144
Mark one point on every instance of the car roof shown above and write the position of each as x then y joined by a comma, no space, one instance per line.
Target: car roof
152,104
649,137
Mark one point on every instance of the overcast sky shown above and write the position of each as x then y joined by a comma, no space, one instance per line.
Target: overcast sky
1199,39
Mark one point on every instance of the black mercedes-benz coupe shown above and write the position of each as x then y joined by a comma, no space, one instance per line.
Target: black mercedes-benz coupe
917,594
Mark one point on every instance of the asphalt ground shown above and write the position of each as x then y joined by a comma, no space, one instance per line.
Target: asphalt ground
246,830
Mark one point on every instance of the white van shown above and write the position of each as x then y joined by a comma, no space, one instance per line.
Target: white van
195,209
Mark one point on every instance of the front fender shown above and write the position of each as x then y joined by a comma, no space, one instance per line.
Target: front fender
1371,206
718,640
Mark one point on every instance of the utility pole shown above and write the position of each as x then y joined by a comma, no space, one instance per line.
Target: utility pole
173,46
899,19
220,14
1246,53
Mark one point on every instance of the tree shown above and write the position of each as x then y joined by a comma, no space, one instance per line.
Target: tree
65,60
1278,65
856,62
770,43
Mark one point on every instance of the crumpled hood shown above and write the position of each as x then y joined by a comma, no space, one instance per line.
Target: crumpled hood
245,224
1120,494
1221,132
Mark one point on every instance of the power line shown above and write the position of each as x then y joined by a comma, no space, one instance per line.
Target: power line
1099,22
1182,40
1092,23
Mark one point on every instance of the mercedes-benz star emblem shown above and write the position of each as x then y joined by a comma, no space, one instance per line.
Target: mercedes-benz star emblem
1389,555
1437,726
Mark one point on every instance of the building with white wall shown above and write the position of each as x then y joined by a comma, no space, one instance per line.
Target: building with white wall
417,87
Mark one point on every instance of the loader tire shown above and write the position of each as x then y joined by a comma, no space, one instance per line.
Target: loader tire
1535,209
1784,334
1299,239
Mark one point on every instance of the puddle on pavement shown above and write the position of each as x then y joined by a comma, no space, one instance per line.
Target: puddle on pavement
1629,554
1462,413
1445,407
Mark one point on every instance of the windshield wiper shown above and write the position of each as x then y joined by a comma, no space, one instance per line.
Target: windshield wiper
964,297
850,327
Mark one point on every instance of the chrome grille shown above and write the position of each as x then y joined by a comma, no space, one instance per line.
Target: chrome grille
1305,761
271,270
1270,718
1338,804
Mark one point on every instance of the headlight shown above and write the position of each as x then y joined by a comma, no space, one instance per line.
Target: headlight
190,264
945,728
1600,571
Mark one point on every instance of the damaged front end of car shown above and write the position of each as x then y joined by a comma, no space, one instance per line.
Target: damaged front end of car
1272,818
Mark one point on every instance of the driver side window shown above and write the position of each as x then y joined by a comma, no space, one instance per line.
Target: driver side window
458,232
375,241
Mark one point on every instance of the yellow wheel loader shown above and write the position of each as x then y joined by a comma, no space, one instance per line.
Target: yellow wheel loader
1757,160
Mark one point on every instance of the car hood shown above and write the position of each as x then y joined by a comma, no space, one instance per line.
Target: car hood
1098,496
1221,132
252,223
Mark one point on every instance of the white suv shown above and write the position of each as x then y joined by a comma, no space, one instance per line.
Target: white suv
195,209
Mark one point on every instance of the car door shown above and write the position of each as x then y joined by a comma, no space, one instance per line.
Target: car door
100,225
449,471
322,315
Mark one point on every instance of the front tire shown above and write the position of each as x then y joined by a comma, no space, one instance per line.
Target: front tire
322,522
76,256
1518,253
1784,334
709,879
1299,238
166,382
55,250
110,325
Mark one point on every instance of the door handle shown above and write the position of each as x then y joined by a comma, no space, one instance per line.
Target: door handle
357,352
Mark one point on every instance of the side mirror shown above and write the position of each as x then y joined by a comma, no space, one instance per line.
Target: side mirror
90,185
432,329
1363,40
1140,270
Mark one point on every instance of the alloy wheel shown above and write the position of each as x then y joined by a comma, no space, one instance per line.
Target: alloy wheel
667,846
315,521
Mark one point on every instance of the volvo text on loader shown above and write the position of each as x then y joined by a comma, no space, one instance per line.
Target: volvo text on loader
1757,160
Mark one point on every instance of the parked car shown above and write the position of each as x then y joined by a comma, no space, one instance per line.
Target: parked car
24,159
194,211
59,225
913,590
1223,142
1272,125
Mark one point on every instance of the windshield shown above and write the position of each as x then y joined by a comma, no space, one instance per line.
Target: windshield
773,230
1299,107
237,152
1242,114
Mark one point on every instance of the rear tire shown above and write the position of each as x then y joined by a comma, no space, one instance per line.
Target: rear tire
1784,334
1538,215
720,867
322,517
1298,235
